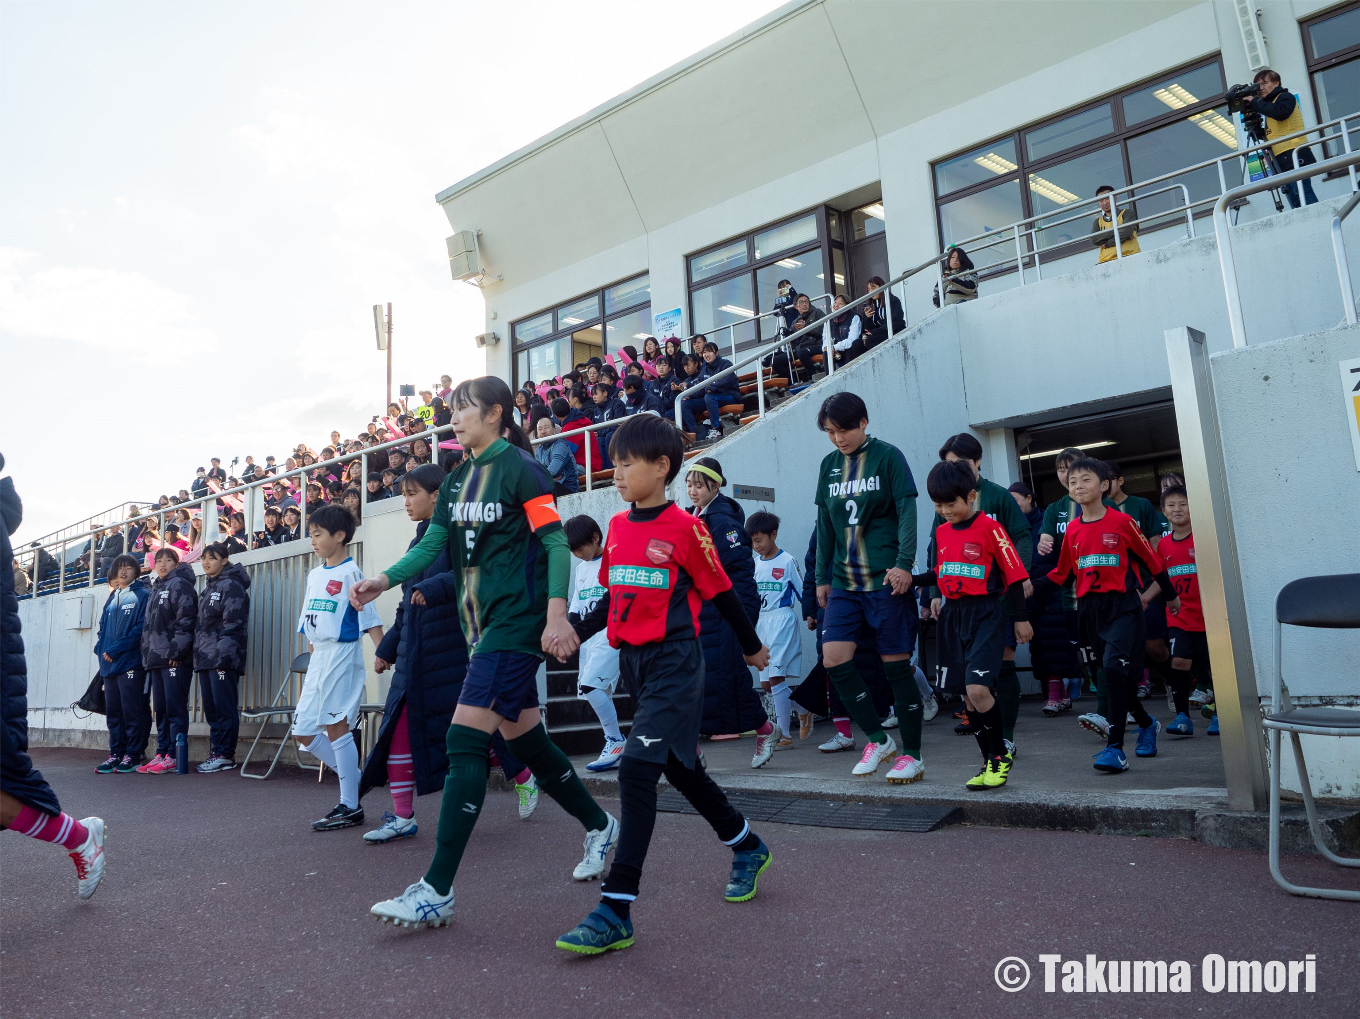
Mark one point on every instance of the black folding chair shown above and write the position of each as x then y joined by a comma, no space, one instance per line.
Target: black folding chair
1320,602
277,710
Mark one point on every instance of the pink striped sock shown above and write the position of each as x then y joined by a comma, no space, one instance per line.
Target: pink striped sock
401,773
842,726
63,829
766,728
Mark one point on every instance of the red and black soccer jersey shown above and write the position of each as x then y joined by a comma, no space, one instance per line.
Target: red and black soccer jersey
1178,556
658,571
1100,554
976,558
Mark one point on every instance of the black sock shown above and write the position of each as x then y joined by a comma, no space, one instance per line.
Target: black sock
990,720
1180,681
1008,698
621,907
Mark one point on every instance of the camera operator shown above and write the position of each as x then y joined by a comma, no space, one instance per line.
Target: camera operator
1283,117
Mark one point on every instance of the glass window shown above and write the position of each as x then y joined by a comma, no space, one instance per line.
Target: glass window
587,309
982,164
1338,91
723,303
533,328
717,261
838,271
1057,187
631,328
1184,143
789,235
627,294
1074,130
1176,92
1334,34
867,221
981,213
585,344
548,360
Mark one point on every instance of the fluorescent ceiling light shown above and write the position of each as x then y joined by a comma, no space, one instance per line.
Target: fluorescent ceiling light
875,210
997,164
572,321
1211,122
641,336
1053,452
1051,191
790,263
732,309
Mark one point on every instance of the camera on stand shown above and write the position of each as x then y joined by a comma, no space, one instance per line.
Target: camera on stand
1261,163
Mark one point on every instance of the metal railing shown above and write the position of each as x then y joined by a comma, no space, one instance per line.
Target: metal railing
1225,252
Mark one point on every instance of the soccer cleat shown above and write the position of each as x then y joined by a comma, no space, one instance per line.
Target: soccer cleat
598,843
215,762
528,798
1147,740
1095,723
1052,707
391,829
891,721
1210,709
155,762
930,707
89,858
602,931
609,757
1129,719
1182,726
804,724
746,870
1144,687
418,906
979,781
127,765
1200,697
1065,704
340,816
906,769
874,755
1111,759
1213,727
785,743
1010,748
837,743
1074,689
765,747
166,766
968,726
997,771
109,766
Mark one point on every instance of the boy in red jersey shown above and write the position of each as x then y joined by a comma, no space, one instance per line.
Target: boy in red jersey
659,566
1097,551
1189,646
976,567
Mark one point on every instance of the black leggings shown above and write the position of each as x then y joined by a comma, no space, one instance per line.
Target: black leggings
637,794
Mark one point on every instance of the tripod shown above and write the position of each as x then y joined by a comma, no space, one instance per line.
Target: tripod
1254,126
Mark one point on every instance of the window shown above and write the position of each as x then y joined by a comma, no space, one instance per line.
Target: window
1331,46
553,342
740,278
1150,129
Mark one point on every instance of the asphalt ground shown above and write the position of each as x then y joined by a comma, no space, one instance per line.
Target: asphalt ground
219,901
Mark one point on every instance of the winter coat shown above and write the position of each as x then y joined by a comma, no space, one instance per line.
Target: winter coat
559,460
109,549
611,411
578,418
730,702
724,387
120,630
168,632
267,537
642,401
430,657
223,616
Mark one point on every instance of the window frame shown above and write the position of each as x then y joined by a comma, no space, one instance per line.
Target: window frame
1314,65
1120,136
560,332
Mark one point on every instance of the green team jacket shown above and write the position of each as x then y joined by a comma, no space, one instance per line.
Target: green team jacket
866,517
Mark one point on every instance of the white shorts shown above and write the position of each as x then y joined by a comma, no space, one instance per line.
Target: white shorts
332,688
599,668
778,630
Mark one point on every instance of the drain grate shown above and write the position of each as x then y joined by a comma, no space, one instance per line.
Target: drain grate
908,817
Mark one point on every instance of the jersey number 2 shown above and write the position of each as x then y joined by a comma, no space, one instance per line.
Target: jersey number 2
853,510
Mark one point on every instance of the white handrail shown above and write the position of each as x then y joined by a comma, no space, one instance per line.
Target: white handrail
1343,263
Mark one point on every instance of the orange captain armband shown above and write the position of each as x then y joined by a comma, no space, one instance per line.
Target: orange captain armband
541,512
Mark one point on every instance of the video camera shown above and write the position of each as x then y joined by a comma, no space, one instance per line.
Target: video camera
1252,122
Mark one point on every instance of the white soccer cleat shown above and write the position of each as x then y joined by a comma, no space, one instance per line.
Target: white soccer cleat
418,906
1200,697
610,755
837,744
89,858
765,747
930,707
906,769
392,828
874,755
891,721
528,797
1095,723
597,845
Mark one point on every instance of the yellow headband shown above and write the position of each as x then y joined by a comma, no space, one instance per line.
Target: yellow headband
708,472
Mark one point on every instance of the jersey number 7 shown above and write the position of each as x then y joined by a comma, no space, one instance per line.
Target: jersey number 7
624,605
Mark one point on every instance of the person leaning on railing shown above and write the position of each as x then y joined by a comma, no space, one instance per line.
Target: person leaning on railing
557,457
875,328
960,283
1102,236
1283,116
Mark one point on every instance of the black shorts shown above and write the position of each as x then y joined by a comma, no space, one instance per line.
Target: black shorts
1154,620
666,682
970,642
506,682
1111,628
1193,645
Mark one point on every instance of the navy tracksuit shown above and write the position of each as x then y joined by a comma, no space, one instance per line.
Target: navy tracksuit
127,691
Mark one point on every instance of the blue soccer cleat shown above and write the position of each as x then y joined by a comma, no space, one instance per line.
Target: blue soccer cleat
746,870
1111,759
602,931
1182,726
1213,726
1147,740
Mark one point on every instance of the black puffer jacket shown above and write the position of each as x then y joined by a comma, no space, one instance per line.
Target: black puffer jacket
171,614
18,777
223,618
430,659
730,702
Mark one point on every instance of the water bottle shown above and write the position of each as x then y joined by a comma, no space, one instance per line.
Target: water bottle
182,754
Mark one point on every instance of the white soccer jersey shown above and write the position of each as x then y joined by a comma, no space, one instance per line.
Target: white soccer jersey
586,586
327,614
779,581
599,663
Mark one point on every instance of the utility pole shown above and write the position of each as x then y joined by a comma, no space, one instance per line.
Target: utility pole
382,326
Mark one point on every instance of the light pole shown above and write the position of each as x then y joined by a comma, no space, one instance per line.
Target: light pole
383,328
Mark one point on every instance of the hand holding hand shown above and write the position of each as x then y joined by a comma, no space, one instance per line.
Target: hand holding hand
381,665
1024,633
759,660
899,580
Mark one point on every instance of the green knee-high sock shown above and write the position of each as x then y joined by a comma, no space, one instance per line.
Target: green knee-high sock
907,697
855,696
1008,696
1102,699
464,791
557,777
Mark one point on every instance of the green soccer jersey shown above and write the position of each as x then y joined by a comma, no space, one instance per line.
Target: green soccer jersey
866,517
1144,514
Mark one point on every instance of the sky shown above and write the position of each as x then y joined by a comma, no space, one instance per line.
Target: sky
200,204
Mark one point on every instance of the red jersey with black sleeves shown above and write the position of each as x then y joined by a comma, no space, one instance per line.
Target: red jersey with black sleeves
1178,556
658,571
976,557
1100,554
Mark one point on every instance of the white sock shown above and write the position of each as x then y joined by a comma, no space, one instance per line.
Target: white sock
923,684
321,748
604,707
783,707
347,769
